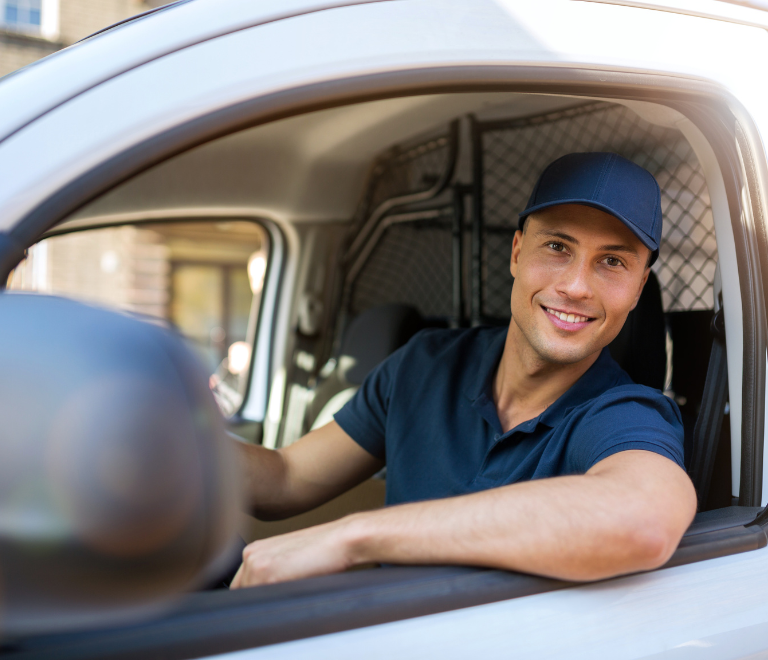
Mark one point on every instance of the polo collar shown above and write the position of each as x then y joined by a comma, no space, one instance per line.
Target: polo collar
482,383
602,375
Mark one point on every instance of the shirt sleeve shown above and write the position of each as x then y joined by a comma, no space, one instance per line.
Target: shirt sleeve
629,417
364,417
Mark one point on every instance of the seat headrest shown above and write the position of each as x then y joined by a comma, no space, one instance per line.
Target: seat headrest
641,346
375,334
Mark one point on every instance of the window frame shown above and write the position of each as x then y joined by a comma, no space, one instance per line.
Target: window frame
261,369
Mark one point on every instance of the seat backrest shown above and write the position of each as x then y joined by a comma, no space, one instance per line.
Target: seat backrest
369,339
641,346
375,334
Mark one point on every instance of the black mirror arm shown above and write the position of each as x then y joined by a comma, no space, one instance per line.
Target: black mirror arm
11,253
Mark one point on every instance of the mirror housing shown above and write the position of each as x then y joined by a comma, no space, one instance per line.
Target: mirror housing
118,485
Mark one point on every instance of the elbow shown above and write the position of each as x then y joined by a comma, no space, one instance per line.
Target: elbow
652,546
624,550
655,535
647,545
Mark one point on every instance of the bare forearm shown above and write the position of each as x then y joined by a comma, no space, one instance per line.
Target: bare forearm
264,480
626,514
503,530
285,482
579,528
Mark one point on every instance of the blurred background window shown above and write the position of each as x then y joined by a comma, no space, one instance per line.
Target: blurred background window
22,15
211,304
203,278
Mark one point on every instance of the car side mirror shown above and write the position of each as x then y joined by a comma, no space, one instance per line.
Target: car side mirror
118,487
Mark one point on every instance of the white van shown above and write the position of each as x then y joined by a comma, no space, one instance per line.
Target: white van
286,182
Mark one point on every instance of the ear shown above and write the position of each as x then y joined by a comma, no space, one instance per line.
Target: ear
517,243
640,290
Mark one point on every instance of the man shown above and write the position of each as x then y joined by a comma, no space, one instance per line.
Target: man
524,448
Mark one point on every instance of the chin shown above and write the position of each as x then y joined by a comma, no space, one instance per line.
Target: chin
556,352
564,357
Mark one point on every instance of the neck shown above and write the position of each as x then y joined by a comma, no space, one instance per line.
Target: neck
526,385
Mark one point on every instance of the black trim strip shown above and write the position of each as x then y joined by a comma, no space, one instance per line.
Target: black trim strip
476,265
718,543
457,240
11,253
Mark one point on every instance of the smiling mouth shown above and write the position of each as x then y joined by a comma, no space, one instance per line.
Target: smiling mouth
567,318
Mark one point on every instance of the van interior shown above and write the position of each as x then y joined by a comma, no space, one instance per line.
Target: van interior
379,218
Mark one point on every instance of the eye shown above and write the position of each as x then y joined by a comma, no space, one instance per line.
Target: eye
557,247
614,262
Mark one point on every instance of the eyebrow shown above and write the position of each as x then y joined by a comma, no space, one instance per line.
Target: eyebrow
553,233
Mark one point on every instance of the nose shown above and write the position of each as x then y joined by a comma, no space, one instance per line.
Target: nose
575,281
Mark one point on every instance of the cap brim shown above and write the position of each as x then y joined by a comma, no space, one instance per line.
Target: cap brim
644,238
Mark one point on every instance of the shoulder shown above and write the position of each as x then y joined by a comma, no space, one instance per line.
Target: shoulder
626,417
632,398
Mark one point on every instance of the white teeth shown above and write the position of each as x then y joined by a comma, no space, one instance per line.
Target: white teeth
568,318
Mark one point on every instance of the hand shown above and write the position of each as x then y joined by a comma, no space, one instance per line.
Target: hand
308,552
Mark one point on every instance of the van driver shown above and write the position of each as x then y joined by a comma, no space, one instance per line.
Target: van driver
524,448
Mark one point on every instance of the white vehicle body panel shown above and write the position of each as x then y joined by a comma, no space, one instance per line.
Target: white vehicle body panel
711,607
82,66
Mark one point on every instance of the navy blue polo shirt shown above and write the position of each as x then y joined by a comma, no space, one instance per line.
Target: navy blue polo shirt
428,411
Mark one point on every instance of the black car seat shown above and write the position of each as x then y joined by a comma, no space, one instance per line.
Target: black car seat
641,346
371,337
640,349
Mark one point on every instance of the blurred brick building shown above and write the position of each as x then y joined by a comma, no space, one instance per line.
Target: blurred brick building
32,29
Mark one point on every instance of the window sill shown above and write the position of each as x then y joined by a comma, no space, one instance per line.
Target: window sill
28,39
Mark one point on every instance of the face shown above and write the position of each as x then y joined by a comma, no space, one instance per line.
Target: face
578,272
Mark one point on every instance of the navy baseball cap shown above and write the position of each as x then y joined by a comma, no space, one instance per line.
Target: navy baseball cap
607,182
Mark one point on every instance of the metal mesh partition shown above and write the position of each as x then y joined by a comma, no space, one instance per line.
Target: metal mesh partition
513,153
405,257
405,170
411,263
